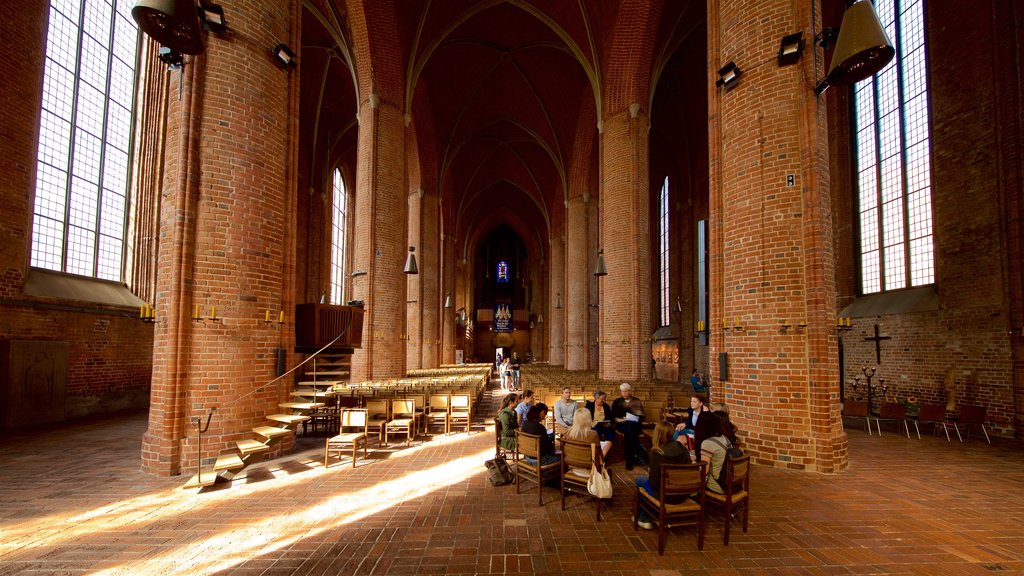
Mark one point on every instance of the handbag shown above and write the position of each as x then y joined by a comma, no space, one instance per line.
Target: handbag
599,484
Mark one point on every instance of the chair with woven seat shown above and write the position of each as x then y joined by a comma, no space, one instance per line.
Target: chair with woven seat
971,416
377,416
892,412
528,445
578,462
460,412
674,506
857,409
353,429
403,420
934,414
737,493
438,412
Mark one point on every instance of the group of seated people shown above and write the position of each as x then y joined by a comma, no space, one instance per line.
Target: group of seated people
705,429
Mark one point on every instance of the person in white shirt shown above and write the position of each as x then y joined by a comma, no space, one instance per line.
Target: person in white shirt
565,409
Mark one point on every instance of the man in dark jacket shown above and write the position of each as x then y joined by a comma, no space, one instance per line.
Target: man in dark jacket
627,414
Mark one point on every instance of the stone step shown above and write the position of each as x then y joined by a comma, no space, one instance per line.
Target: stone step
207,478
229,462
249,446
313,393
288,419
326,373
301,405
271,432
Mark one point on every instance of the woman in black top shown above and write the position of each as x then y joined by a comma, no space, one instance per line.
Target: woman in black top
534,425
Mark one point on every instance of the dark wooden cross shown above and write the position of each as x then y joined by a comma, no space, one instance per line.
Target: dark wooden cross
878,343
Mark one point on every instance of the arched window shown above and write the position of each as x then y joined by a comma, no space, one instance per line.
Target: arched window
894,159
81,196
663,259
339,235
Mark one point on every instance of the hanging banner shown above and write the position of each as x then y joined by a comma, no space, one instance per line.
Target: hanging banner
502,318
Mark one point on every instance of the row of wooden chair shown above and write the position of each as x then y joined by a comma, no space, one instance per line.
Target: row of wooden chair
933,414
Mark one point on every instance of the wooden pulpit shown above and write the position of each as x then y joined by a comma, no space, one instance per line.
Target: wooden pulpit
316,325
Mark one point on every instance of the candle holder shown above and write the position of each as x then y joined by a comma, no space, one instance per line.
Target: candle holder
871,389
702,329
802,325
843,324
785,326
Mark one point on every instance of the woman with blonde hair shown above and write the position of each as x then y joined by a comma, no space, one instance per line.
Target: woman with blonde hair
582,429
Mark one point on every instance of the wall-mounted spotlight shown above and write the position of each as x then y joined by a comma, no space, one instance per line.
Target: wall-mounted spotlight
213,17
172,23
862,47
283,54
448,300
601,269
790,49
410,262
728,75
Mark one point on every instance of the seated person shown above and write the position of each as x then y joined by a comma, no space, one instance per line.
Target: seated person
698,385
627,413
721,436
582,429
534,424
601,414
509,421
564,411
698,407
525,402
672,452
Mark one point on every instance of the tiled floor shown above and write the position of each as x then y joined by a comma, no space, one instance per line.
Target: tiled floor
72,501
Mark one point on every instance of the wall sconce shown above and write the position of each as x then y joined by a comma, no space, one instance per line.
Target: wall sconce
460,316
283,54
702,327
601,269
540,318
410,262
729,75
679,305
785,326
558,301
844,324
791,48
735,326
531,324
213,17
147,313
862,47
448,300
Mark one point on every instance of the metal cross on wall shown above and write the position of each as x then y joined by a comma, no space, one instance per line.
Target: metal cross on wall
878,344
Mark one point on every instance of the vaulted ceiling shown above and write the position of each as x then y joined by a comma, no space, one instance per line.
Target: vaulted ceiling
500,92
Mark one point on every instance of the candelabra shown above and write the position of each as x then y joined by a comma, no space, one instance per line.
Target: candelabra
870,388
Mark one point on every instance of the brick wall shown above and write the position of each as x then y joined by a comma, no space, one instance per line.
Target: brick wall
110,349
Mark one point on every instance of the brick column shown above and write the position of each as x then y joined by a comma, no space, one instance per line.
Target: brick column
625,237
380,240
431,296
577,280
772,243
556,325
447,323
414,304
226,223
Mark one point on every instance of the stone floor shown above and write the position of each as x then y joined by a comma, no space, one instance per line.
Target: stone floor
73,501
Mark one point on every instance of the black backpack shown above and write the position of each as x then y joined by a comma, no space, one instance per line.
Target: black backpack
731,452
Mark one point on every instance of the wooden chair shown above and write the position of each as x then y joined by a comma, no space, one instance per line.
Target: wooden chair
353,428
500,452
438,412
460,411
892,412
403,420
528,445
934,414
737,493
378,416
971,416
858,409
674,506
578,461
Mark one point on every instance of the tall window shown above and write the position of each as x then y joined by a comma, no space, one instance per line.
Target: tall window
338,236
81,198
893,159
663,260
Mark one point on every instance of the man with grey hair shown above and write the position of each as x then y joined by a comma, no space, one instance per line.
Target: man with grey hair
627,413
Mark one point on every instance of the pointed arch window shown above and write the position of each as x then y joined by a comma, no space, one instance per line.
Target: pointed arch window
663,256
893,159
339,237
80,206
